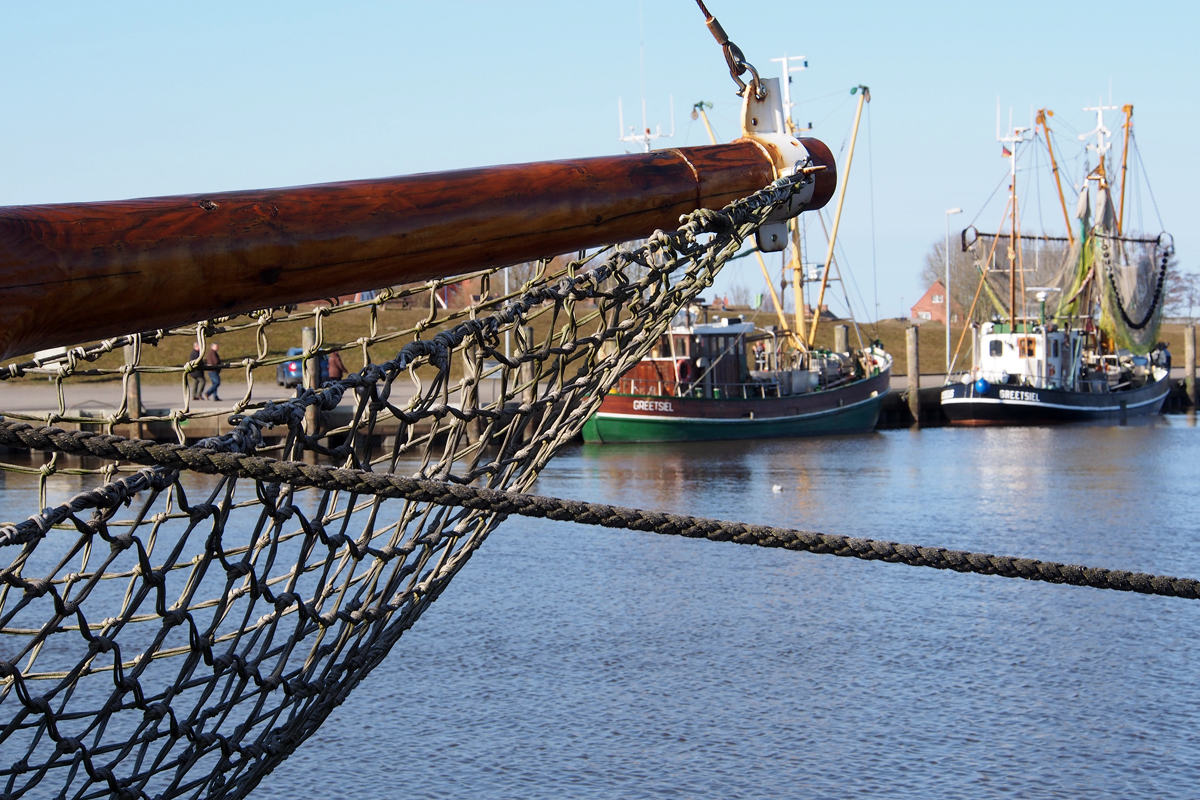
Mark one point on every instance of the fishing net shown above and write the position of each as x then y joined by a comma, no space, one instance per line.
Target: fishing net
169,633
1132,273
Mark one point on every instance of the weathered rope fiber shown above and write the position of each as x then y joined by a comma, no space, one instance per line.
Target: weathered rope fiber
178,457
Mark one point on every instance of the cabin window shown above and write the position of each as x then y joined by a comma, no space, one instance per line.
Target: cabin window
995,348
1054,347
1027,347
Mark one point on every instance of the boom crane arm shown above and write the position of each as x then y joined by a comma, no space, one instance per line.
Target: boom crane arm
1041,120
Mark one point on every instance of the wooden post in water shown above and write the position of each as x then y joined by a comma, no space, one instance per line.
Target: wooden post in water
311,375
470,393
841,338
525,377
914,374
133,394
1189,359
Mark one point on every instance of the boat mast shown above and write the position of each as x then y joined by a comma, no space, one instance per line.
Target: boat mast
1041,120
788,69
1128,109
797,267
698,110
864,97
1102,145
1015,138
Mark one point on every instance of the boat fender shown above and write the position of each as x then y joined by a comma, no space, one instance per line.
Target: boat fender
982,386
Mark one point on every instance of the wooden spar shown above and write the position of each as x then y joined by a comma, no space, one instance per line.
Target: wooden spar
80,272
1041,120
1128,109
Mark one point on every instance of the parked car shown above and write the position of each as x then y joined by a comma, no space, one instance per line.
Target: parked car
291,373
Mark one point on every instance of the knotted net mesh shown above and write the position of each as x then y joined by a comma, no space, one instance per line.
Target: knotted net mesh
165,633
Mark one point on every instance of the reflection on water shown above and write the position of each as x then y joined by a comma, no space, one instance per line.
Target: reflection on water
583,662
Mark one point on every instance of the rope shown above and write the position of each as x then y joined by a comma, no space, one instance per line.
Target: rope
185,636
503,503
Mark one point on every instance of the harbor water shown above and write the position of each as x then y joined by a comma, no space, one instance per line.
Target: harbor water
573,661
570,661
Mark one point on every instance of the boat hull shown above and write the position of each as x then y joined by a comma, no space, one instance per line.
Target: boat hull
853,408
1015,405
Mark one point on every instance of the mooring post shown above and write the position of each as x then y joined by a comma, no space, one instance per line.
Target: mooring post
133,394
841,338
914,374
311,376
470,393
526,379
1189,358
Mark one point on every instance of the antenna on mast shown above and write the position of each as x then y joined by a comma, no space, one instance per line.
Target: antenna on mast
788,69
643,137
1102,145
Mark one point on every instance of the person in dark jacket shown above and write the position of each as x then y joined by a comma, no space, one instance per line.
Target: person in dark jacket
212,360
196,379
337,370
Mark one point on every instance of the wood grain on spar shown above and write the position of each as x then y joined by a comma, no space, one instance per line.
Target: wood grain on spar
77,272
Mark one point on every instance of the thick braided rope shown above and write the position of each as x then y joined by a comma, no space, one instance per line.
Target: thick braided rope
178,457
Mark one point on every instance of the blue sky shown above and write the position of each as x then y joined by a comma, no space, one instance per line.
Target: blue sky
123,99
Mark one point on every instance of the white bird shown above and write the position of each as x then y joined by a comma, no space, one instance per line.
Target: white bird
777,488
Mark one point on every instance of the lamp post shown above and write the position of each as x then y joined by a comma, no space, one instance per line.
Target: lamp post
949,212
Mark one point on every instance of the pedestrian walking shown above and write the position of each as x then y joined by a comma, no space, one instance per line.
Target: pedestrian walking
196,378
337,370
212,360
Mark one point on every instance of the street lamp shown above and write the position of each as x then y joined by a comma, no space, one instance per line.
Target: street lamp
949,212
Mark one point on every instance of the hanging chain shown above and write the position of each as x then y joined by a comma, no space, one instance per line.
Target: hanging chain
734,57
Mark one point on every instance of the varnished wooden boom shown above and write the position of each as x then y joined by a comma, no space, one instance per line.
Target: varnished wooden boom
79,272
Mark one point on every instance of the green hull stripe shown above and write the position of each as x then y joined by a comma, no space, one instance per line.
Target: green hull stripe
857,418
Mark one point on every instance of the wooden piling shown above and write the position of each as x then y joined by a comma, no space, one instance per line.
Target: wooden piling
914,374
841,338
470,393
311,376
526,380
1189,358
133,394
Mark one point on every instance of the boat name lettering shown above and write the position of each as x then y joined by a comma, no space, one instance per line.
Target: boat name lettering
1013,394
653,405
947,394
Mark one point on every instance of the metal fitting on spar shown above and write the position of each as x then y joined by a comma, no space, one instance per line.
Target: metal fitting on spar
763,124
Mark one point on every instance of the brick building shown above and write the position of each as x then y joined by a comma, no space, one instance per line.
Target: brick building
932,306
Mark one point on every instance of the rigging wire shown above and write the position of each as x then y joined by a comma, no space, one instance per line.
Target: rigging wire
987,202
1138,152
871,181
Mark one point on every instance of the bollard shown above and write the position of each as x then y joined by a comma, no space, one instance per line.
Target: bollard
841,338
914,375
1189,359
